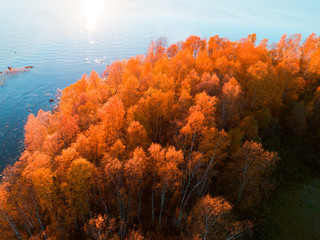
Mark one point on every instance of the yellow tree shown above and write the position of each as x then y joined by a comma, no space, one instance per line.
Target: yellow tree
45,190
63,163
79,180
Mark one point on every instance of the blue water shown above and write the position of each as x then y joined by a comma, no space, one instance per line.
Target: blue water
54,37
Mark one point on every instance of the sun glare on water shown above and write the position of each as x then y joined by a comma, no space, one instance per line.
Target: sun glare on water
92,10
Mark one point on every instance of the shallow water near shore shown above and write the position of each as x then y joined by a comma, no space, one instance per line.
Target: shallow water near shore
65,39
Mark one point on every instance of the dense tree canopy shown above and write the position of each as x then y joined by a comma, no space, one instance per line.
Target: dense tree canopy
163,145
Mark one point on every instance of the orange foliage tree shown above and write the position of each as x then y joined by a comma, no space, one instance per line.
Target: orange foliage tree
145,148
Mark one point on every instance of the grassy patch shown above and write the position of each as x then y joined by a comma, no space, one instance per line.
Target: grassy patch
296,212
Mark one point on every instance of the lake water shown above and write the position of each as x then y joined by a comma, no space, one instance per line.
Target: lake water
63,39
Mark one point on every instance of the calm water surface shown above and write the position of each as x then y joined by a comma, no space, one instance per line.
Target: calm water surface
63,39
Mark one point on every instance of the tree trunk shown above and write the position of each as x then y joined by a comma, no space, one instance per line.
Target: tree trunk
162,204
39,220
152,198
13,226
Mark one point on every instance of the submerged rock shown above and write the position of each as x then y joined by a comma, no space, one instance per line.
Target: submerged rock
12,70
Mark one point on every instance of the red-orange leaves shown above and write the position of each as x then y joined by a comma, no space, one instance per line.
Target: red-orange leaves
136,136
111,115
113,75
194,44
195,125
67,130
206,105
203,62
230,102
37,128
135,167
315,62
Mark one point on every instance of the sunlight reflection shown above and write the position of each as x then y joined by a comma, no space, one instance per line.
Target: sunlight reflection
92,10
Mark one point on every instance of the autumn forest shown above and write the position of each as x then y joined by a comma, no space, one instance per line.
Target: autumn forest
192,140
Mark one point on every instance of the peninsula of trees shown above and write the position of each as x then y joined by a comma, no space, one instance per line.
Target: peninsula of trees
178,144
